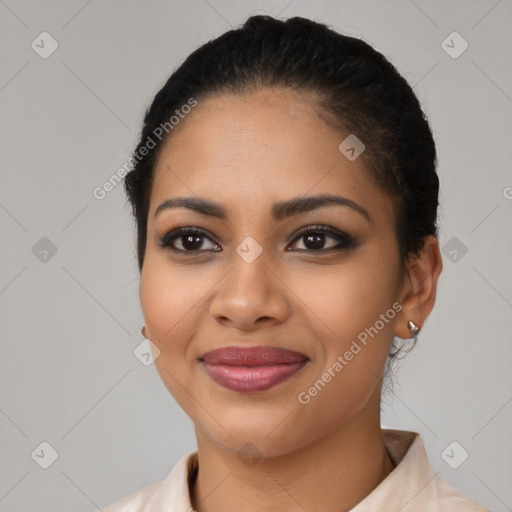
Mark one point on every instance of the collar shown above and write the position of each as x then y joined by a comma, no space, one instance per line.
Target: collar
412,485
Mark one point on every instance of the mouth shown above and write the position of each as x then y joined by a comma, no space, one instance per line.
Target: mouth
250,369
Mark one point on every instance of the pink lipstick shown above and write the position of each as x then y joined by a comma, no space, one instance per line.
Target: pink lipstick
249,369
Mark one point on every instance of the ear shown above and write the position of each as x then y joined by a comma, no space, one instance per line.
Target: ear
419,286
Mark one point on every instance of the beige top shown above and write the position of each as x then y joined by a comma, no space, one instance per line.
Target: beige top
412,486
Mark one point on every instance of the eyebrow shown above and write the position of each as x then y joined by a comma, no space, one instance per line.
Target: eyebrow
279,210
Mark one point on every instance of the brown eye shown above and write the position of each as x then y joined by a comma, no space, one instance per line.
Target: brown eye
191,239
315,237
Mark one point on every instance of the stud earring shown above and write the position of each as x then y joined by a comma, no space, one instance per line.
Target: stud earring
413,328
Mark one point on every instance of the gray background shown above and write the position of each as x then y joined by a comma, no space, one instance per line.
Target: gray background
71,320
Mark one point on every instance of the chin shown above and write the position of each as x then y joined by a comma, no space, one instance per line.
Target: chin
258,434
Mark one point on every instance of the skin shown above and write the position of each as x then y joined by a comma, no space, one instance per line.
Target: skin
245,153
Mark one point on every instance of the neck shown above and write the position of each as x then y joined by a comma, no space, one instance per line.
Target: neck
331,474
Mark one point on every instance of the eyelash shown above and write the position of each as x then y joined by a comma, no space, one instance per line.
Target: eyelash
345,240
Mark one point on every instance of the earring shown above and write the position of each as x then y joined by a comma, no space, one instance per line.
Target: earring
413,328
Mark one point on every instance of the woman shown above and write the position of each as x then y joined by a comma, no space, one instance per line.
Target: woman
285,194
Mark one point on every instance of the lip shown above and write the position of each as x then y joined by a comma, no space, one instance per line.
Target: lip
249,369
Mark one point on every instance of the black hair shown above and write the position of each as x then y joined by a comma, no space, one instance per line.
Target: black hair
357,89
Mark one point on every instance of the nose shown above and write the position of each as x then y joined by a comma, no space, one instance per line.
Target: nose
251,295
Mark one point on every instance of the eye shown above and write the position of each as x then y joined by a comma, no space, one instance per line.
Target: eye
190,238
315,237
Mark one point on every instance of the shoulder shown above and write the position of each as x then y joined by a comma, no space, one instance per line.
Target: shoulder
450,499
173,491
414,486
142,500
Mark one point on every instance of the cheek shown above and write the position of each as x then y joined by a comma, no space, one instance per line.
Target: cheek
355,343
171,305
353,315
170,300
348,298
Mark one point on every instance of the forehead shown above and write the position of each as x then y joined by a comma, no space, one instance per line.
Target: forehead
258,148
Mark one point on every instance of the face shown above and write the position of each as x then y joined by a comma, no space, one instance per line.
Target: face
320,282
